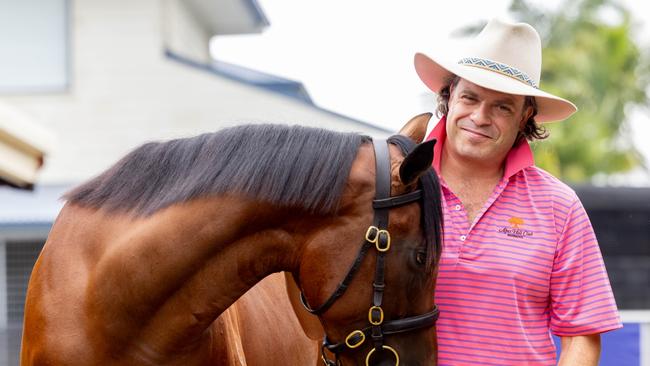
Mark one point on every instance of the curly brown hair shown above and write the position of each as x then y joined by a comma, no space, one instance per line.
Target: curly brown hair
531,131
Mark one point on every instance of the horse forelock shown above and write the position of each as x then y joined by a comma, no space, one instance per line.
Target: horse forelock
292,166
431,217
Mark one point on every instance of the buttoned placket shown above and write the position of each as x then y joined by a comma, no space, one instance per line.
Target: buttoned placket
455,207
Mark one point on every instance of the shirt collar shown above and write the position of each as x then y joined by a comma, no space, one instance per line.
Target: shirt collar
518,158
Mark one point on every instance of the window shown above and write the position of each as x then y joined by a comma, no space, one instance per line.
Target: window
34,46
21,256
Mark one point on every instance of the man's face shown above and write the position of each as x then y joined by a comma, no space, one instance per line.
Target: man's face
482,124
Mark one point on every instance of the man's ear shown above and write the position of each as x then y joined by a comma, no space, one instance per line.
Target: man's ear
528,112
417,162
416,128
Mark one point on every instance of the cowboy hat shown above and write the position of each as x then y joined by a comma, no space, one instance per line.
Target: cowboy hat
505,57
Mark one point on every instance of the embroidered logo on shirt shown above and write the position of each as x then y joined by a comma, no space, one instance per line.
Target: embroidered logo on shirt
515,230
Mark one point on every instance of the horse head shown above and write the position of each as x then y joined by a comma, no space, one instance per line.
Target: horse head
368,271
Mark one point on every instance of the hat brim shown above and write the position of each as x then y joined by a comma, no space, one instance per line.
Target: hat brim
435,75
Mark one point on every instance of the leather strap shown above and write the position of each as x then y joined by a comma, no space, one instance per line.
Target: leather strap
392,327
378,236
343,286
397,201
382,191
382,178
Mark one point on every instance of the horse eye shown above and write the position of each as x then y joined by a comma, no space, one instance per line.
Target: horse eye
421,257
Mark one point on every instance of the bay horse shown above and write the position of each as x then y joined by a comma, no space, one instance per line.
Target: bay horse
143,259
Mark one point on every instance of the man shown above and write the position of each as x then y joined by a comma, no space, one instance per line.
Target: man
520,258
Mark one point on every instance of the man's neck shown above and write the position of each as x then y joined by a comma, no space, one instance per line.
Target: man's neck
472,182
453,169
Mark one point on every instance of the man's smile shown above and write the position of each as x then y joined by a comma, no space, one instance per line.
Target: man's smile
476,134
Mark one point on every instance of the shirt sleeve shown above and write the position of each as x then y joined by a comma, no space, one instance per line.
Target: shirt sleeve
582,301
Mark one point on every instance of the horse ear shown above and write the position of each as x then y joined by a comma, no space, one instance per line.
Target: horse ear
417,162
416,128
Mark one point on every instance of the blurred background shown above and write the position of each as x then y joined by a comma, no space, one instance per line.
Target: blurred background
83,82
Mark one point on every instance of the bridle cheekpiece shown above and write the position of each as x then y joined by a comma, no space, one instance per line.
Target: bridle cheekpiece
377,236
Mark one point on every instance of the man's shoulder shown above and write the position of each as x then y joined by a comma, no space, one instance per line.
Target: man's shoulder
542,181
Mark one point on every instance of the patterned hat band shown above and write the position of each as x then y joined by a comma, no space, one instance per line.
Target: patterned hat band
500,68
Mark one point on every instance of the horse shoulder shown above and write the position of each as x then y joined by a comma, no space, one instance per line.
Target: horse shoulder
268,331
227,347
310,323
54,329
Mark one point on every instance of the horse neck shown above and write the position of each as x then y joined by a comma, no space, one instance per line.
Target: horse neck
169,276
236,244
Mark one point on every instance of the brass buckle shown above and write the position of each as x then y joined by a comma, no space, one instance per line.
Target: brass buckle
347,339
378,241
381,315
372,234
384,347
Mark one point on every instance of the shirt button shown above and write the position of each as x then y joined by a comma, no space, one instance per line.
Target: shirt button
457,207
463,237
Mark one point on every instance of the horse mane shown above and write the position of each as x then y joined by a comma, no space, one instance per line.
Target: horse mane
292,166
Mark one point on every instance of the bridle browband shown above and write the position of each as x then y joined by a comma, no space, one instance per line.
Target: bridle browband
378,236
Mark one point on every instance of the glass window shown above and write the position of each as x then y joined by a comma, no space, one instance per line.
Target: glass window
33,46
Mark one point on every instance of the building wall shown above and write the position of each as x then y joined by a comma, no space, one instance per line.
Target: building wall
124,91
19,248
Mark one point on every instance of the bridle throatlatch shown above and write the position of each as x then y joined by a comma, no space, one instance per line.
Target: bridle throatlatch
377,236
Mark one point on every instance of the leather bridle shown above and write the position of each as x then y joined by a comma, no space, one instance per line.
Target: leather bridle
378,236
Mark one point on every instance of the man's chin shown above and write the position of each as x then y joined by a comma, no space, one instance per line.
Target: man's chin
476,155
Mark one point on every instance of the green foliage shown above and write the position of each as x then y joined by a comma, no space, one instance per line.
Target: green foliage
593,62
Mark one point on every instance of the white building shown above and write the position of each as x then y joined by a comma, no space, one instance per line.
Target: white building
106,76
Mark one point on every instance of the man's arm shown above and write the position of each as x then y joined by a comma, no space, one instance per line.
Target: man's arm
580,350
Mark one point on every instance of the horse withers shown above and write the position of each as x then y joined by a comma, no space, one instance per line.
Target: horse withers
145,257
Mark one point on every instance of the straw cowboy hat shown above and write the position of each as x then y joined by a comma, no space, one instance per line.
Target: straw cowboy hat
506,57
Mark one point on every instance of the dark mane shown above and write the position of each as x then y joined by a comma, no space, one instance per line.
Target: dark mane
287,165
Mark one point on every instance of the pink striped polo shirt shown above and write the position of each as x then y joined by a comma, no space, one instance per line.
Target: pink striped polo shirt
527,266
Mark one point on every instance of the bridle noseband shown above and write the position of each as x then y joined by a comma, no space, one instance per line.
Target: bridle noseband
378,236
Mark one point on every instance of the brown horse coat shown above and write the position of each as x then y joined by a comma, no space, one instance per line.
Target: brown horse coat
261,329
118,287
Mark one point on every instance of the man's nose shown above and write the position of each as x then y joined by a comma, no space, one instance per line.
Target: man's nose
481,115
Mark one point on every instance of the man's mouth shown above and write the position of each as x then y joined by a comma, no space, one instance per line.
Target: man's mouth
476,133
